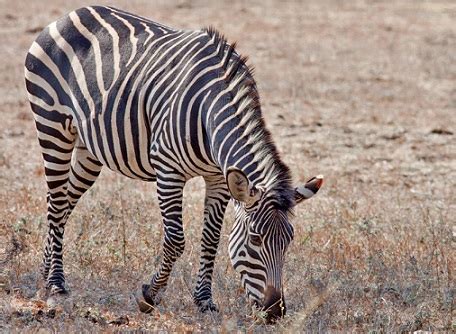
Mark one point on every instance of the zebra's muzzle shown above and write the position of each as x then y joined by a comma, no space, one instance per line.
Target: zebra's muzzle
274,304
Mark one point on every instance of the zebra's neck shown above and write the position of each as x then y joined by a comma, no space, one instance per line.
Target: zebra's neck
236,129
239,138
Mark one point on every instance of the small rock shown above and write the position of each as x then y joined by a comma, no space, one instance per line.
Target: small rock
52,302
42,293
440,131
4,282
51,313
358,317
229,325
43,330
122,320
34,30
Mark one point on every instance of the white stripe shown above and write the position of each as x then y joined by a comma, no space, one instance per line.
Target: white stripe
115,42
133,39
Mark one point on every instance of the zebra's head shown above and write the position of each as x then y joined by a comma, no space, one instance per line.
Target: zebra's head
260,238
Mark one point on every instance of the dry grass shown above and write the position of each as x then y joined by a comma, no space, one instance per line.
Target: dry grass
363,92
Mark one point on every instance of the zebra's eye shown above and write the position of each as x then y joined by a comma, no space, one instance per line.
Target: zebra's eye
255,239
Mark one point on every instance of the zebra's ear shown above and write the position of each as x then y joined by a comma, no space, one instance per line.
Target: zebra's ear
239,187
309,189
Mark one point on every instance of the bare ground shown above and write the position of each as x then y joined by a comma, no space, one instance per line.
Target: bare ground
363,92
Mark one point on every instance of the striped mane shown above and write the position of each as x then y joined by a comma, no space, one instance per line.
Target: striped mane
239,75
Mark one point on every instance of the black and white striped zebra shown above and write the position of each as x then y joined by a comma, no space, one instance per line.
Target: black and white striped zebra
109,88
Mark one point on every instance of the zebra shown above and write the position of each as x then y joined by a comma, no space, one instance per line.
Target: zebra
110,88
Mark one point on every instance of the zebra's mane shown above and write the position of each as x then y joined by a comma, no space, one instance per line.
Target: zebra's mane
279,180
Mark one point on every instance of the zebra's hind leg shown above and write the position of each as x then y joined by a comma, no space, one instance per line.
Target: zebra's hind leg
217,198
170,190
84,170
57,148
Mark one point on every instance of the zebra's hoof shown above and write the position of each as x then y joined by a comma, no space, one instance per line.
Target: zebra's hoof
57,289
207,305
143,300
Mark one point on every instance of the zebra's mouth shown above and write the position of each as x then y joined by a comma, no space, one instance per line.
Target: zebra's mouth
272,308
274,304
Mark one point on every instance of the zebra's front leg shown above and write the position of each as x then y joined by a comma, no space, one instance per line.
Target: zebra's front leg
217,197
170,193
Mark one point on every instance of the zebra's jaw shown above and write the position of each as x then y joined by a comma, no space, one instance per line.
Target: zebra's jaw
238,252
263,289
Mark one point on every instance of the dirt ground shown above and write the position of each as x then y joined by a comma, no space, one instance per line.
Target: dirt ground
363,92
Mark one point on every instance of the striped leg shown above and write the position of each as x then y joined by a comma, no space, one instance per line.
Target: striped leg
85,169
57,168
83,172
217,198
170,191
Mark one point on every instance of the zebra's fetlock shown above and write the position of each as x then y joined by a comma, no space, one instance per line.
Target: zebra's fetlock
152,296
55,283
203,300
57,289
147,299
206,305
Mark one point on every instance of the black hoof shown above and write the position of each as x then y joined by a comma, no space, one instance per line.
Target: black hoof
207,306
146,294
144,301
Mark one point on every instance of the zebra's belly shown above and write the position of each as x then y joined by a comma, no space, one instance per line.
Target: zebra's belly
132,169
122,148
